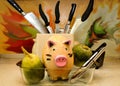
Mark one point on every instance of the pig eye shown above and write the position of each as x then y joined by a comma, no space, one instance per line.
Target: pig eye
70,54
53,49
66,49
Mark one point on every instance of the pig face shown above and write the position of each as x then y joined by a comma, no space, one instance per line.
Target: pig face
58,54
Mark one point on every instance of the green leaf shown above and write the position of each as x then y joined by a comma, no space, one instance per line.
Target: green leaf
15,37
87,41
30,30
98,29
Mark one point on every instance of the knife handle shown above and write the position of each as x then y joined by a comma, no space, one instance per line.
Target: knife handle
57,12
102,45
16,6
72,12
43,15
88,10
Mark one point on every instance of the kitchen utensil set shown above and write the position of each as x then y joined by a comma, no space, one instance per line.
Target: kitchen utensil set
33,20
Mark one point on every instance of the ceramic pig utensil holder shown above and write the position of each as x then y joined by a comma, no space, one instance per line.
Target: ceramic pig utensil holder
57,57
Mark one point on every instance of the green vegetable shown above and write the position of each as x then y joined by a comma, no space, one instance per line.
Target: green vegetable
81,54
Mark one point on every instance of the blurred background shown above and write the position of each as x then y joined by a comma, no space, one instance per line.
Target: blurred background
15,31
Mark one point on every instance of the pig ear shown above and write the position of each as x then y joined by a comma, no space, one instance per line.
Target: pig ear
68,42
51,43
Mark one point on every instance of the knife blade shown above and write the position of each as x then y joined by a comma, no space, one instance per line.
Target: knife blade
47,24
84,17
67,26
30,17
57,15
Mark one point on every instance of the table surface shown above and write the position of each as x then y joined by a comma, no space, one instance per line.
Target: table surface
107,75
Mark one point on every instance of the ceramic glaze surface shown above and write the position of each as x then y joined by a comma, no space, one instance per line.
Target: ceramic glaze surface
58,57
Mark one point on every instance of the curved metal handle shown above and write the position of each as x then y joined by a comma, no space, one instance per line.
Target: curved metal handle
57,12
72,12
43,15
88,10
101,46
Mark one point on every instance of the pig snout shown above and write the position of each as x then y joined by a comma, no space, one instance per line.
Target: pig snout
60,61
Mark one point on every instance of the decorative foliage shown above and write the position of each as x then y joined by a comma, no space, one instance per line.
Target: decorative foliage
18,31
103,24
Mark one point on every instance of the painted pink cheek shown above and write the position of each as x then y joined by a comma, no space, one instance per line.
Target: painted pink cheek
60,61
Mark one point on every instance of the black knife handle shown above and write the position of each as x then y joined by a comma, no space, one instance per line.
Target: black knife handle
88,10
57,12
15,5
43,15
72,12
102,45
